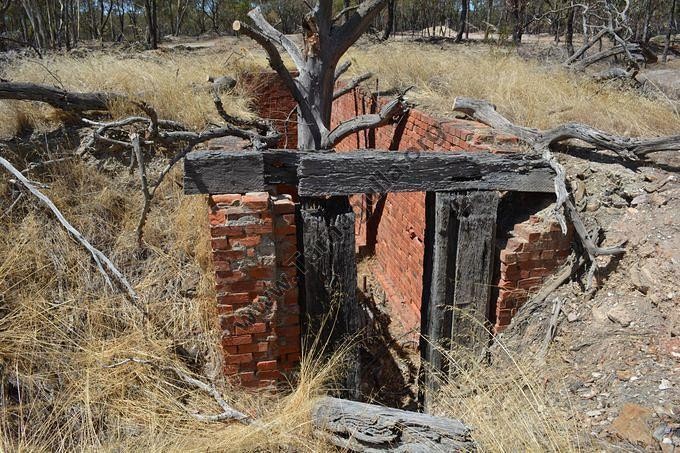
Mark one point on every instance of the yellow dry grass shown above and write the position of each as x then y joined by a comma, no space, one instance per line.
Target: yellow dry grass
173,82
526,92
510,406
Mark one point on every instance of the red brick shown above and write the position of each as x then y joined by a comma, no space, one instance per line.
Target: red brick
266,366
234,298
260,273
226,199
272,374
284,206
254,347
515,245
227,231
247,241
235,340
256,200
217,218
508,257
238,358
265,228
228,255
258,327
222,266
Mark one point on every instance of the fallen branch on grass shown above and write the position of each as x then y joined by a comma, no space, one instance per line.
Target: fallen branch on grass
104,264
228,413
66,100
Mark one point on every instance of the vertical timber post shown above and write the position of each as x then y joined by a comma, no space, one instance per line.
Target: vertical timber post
330,278
460,237
477,217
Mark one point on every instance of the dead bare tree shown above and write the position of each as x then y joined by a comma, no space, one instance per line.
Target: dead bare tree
324,44
327,221
613,24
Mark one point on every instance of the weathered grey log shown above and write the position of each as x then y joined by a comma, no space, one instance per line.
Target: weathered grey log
629,147
330,279
457,308
364,171
362,427
62,99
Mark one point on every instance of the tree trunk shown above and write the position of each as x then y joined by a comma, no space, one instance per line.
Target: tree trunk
649,9
489,11
669,33
389,26
152,24
517,27
463,19
569,38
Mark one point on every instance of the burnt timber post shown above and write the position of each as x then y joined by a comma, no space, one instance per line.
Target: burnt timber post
332,312
459,240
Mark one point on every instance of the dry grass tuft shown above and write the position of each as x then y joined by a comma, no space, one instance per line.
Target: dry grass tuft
524,91
509,405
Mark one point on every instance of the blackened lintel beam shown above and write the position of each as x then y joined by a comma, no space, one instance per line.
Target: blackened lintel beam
364,171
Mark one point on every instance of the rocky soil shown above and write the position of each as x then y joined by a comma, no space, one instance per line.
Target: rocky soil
615,360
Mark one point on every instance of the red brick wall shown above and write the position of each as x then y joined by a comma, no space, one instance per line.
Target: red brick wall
254,246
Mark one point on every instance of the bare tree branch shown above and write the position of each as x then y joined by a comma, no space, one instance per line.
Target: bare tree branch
139,156
343,68
346,35
352,84
228,412
273,34
542,141
627,147
363,122
274,57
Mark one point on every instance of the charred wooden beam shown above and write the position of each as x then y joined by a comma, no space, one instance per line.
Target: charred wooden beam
364,171
362,427
333,316
476,213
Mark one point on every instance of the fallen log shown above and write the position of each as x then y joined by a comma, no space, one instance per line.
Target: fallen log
56,97
615,74
365,427
633,49
626,147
